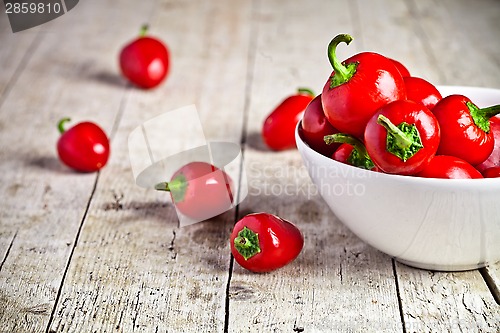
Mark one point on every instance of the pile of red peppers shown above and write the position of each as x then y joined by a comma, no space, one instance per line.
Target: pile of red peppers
374,115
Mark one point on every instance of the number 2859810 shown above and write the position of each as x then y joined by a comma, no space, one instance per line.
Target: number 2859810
32,8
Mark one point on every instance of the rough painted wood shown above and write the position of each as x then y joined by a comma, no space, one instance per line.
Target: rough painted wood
43,202
440,33
134,269
439,302
127,266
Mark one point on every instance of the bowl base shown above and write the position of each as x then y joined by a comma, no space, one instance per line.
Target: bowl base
443,268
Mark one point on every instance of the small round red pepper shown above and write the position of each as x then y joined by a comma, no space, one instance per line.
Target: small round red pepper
199,190
422,92
465,128
401,68
402,137
449,167
494,159
358,87
315,127
263,242
352,151
493,172
278,130
83,147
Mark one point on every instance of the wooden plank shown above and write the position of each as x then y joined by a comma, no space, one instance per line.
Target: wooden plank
13,58
338,282
491,275
133,268
435,301
461,40
44,202
439,302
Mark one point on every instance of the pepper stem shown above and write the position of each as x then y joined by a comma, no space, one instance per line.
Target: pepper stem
342,73
360,158
144,30
247,243
177,187
162,187
481,117
306,91
60,124
402,140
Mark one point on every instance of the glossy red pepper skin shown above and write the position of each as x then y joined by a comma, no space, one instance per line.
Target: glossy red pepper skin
315,127
462,134
278,130
343,154
494,159
84,147
358,87
493,172
417,118
263,242
199,190
403,70
145,61
449,167
422,91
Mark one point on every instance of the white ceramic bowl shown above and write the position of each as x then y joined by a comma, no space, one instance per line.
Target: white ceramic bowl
437,224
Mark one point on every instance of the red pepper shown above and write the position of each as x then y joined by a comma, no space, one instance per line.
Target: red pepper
493,172
199,190
315,127
465,129
84,147
278,130
422,92
450,167
145,61
352,151
358,87
494,159
263,242
402,137
401,68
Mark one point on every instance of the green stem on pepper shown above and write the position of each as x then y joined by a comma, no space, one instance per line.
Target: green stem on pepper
177,187
306,91
144,30
247,243
342,73
359,156
402,140
481,117
60,124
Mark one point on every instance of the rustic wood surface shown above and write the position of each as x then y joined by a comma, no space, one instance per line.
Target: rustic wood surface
96,253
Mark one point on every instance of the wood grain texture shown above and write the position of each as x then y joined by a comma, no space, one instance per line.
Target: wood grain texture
97,253
338,283
134,269
45,202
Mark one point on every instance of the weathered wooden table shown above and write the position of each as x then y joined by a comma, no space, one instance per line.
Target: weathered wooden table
96,253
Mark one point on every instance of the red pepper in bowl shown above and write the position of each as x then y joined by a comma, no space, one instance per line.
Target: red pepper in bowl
465,128
352,151
422,92
357,87
449,167
402,137
493,172
401,68
315,126
494,159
